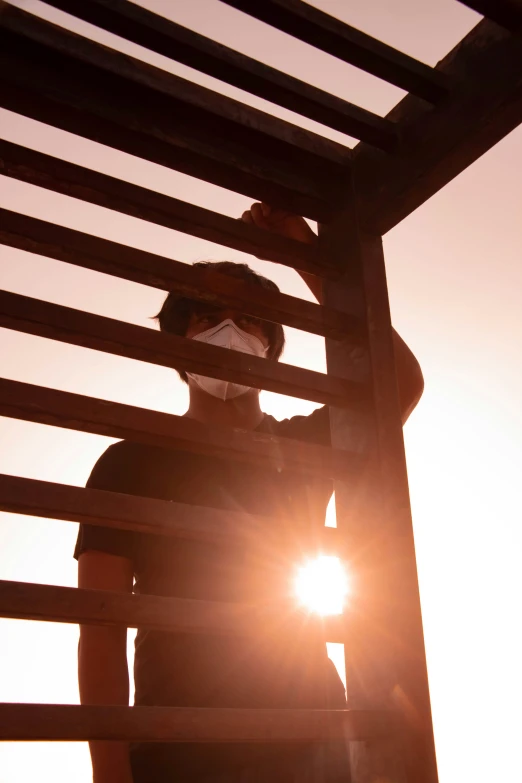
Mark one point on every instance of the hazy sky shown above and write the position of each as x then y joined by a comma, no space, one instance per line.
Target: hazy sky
455,276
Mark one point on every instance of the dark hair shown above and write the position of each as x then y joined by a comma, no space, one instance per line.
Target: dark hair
175,313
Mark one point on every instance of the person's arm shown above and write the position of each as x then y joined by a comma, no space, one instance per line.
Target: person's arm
409,374
102,661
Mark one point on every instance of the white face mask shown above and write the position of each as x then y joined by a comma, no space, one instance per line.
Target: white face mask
226,335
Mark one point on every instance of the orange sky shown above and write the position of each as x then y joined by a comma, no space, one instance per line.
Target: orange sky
455,278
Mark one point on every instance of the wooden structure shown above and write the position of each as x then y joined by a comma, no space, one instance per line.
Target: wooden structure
453,114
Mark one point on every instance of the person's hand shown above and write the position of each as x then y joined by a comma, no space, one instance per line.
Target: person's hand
284,223
278,221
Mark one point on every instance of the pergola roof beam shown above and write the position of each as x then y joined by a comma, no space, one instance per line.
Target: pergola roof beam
325,32
507,13
161,35
438,143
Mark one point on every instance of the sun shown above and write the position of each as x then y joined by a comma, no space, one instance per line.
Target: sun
321,585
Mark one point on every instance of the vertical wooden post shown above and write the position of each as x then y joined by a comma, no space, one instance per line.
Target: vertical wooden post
385,656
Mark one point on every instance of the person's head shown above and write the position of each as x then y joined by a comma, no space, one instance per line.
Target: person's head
189,317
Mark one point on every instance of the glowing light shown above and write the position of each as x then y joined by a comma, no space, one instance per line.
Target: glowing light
321,585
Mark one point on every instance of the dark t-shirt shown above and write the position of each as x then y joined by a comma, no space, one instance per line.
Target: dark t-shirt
194,670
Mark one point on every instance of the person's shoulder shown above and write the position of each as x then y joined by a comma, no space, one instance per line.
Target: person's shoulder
314,428
136,468
120,465
123,451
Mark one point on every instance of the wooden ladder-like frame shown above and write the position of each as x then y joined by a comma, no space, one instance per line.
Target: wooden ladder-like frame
452,114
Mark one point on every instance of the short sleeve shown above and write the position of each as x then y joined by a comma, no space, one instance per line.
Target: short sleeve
115,471
314,428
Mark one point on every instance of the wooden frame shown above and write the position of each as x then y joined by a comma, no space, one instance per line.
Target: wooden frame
49,603
170,724
78,182
313,26
101,255
201,134
76,327
160,35
384,651
507,13
486,104
158,517
452,115
115,420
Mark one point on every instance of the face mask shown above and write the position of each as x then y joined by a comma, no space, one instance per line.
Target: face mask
227,335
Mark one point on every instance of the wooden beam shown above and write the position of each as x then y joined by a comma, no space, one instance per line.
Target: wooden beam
163,118
309,24
202,284
160,517
59,176
161,35
49,722
115,420
385,656
44,319
50,603
507,13
437,144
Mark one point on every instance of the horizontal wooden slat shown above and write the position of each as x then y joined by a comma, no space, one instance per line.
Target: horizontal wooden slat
189,724
115,420
78,182
165,37
50,603
441,142
160,517
163,118
44,319
204,285
507,13
325,32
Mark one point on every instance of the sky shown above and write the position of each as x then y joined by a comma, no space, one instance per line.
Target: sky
455,276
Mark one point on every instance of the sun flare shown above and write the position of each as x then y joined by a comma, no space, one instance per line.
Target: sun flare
321,585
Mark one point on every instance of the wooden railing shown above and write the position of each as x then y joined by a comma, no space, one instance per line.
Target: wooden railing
452,115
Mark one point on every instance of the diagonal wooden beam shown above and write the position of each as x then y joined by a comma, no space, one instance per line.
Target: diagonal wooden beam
50,722
70,179
88,414
201,284
438,143
119,511
163,118
325,32
76,327
161,35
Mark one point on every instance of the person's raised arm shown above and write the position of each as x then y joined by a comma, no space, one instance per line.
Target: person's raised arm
409,374
102,661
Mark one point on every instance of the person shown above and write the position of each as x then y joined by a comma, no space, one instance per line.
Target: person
208,670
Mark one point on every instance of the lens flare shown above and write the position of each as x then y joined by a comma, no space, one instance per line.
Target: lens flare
321,585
